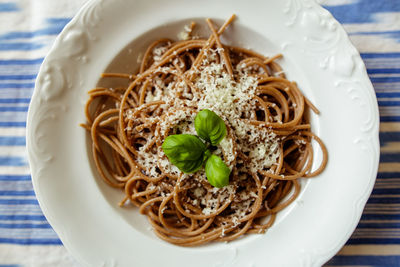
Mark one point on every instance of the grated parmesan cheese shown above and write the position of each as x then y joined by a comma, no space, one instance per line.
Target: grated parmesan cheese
158,52
231,100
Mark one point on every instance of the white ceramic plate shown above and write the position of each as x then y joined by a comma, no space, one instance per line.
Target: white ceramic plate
317,54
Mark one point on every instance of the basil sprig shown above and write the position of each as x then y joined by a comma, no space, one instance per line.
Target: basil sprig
189,153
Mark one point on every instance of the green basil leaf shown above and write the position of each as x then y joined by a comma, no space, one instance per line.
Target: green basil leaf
185,151
210,126
217,172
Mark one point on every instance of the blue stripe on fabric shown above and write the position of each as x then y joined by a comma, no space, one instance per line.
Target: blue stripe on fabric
394,34
17,85
14,100
380,55
8,7
12,141
379,225
388,175
16,193
383,71
389,157
394,94
53,27
389,118
18,109
21,46
62,21
381,191
383,200
28,233
18,77
36,61
10,265
24,226
12,124
31,241
362,11
380,216
15,178
384,79
12,161
347,260
389,103
22,218
385,137
373,241
19,202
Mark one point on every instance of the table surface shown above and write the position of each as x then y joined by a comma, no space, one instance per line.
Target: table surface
27,31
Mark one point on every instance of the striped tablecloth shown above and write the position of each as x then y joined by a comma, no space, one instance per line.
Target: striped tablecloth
27,30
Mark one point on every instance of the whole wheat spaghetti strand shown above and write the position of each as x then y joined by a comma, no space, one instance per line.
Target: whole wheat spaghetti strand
227,61
118,75
210,42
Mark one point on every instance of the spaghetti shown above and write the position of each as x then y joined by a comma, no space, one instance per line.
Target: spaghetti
267,147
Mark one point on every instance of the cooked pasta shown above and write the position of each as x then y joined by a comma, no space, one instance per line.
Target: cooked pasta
267,146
